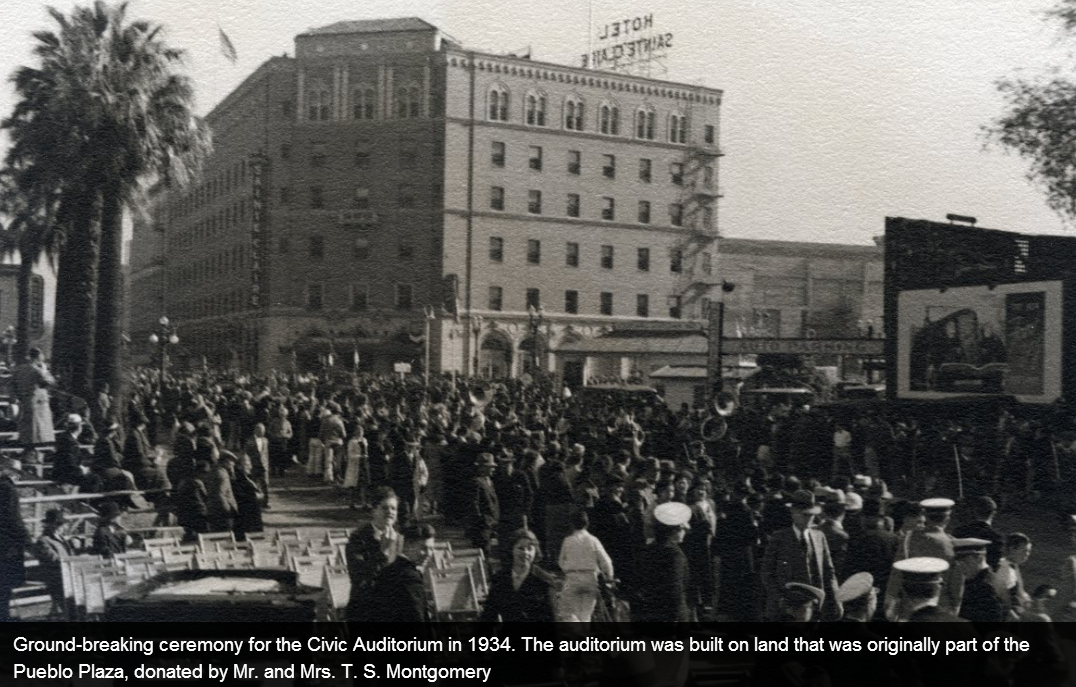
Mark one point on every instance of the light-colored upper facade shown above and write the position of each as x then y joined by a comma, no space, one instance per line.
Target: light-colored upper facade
385,168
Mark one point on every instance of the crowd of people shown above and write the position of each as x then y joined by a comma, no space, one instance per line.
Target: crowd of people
596,507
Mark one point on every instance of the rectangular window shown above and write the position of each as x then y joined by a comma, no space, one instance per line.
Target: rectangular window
534,298
607,257
360,297
644,170
496,249
575,161
707,263
674,307
534,202
608,208
571,255
360,250
676,173
496,197
314,297
573,204
707,218
287,109
609,166
642,260
676,215
606,305
708,133
536,158
317,199
317,247
408,159
534,251
676,262
571,302
362,159
284,245
403,296
642,305
285,152
496,298
317,160
496,157
644,212
405,196
285,195
405,250
362,197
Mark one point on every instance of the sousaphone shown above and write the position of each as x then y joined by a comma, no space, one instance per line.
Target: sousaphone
713,428
481,396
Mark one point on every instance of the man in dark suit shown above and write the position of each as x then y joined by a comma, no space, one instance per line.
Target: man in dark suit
257,449
983,509
981,602
515,498
485,510
399,595
872,548
14,537
800,554
67,459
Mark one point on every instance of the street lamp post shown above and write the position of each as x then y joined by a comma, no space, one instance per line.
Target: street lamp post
476,327
9,341
430,315
164,336
726,288
535,318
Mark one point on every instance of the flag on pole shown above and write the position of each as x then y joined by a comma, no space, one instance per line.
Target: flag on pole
226,47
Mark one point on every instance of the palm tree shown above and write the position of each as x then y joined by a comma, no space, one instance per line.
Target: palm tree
101,117
29,234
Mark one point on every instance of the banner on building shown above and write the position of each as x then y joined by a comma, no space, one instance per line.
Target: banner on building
257,228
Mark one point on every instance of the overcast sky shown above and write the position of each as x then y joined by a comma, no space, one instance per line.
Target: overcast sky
836,114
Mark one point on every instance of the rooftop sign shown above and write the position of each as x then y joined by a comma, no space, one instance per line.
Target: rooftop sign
626,43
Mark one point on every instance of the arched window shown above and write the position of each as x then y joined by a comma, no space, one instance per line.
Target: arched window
535,109
609,119
644,123
363,102
407,102
319,102
574,113
498,104
678,128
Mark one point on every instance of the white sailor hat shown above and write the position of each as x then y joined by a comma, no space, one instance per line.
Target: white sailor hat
673,514
74,419
853,502
937,504
921,569
855,587
970,545
862,481
799,594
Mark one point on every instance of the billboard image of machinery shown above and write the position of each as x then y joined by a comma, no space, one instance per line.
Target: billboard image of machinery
978,312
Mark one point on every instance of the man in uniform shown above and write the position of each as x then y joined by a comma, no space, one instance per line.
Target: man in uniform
981,602
484,507
799,602
858,598
920,591
932,541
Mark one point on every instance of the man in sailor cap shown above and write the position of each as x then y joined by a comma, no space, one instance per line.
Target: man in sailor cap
921,582
932,541
800,602
858,598
981,602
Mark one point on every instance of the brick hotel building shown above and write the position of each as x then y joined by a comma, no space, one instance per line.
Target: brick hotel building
386,178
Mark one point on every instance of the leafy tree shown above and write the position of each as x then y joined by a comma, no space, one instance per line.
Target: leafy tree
1040,124
103,116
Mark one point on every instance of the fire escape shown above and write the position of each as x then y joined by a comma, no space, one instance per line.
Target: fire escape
696,252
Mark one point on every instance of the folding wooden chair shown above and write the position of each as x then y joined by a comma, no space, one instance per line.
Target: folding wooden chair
211,541
453,593
337,586
257,536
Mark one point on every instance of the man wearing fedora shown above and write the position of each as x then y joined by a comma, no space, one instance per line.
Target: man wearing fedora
485,510
800,554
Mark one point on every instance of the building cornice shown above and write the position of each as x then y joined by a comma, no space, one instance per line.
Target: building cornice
679,148
578,76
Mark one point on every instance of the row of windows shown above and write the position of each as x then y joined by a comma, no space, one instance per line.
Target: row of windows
574,116
571,302
572,208
408,158
535,160
359,297
210,306
233,215
221,184
606,260
407,103
407,196
360,249
207,268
